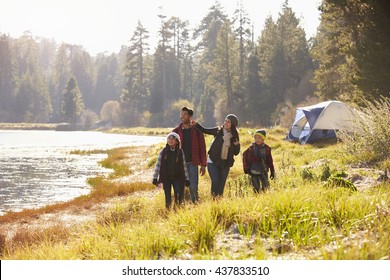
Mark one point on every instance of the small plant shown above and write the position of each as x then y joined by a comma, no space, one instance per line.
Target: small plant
338,179
307,174
239,187
325,173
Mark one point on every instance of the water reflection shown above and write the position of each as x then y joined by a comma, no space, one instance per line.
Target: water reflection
36,167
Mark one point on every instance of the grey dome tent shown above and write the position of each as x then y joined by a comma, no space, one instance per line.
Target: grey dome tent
320,121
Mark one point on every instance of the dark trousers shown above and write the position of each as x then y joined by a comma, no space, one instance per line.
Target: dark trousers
218,175
260,182
178,190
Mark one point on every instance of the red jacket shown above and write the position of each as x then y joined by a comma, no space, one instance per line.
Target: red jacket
249,157
198,145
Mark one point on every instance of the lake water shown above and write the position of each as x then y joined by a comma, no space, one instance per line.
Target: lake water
37,168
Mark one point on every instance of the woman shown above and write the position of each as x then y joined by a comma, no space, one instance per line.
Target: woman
225,146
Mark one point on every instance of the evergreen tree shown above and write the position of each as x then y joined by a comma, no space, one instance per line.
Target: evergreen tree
182,62
106,88
158,91
373,47
352,49
82,69
266,51
72,104
243,34
166,76
32,101
208,32
136,94
254,103
333,52
225,72
7,77
160,83
284,61
293,52
62,73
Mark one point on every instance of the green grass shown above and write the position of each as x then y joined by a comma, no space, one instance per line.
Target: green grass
300,217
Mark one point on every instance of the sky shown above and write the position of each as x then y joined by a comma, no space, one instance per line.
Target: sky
105,25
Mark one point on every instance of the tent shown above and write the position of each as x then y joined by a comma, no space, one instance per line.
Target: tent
320,121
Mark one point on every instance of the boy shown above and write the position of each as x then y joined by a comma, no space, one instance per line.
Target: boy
171,170
257,160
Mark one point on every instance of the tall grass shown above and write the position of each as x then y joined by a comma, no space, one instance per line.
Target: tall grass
338,224
369,141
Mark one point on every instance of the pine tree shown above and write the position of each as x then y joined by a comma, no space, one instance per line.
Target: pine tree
62,73
208,32
243,34
7,77
365,24
226,72
284,62
332,51
106,88
82,69
136,94
32,100
72,104
254,101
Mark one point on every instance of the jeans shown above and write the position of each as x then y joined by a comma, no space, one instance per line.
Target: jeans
218,175
178,189
260,178
193,173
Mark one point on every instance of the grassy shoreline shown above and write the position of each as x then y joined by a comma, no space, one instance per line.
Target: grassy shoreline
299,218
28,126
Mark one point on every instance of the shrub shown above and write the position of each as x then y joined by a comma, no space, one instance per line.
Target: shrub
369,140
307,174
325,173
338,179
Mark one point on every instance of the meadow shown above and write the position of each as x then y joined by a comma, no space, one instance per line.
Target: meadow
321,205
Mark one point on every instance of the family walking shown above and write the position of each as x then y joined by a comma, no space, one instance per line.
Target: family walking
184,157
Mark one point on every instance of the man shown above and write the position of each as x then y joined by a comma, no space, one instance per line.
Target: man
194,147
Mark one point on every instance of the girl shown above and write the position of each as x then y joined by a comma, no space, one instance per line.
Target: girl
171,170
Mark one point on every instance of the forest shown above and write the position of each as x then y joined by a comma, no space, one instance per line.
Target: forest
216,68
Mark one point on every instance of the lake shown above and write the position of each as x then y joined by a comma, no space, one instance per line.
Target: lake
37,168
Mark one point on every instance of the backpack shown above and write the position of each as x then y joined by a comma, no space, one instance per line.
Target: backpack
245,162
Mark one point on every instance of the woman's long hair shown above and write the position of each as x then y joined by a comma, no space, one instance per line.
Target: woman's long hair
235,135
234,131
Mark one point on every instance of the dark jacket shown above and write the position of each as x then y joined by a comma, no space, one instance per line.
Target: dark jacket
161,172
216,147
249,158
198,145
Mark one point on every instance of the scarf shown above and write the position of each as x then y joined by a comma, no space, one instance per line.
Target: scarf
226,143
